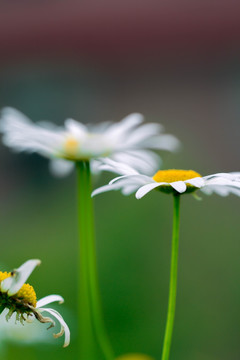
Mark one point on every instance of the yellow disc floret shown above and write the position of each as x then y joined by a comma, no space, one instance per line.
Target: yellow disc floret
172,175
71,146
26,294
4,275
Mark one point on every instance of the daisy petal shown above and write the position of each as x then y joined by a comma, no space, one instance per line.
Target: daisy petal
144,132
197,182
144,161
220,190
129,189
60,167
138,179
116,167
105,188
222,181
13,116
6,284
164,142
64,327
49,299
118,178
179,186
118,130
23,135
130,121
143,190
76,127
19,277
229,176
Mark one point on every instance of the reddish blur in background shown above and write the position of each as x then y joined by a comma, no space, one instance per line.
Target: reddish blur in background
116,33
177,62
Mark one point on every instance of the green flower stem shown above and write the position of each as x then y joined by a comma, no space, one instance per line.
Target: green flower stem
173,280
86,341
90,312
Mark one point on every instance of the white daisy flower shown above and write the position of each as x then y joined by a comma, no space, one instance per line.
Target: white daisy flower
128,141
168,181
20,299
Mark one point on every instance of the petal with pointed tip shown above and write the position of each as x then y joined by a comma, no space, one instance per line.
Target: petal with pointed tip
49,299
179,186
143,190
19,277
64,326
197,182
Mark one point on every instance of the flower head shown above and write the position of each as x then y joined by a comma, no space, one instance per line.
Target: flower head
20,299
169,181
127,141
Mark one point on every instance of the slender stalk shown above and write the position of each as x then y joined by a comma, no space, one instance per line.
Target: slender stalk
89,264
173,280
87,347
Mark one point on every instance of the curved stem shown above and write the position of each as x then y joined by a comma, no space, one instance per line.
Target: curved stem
173,280
90,264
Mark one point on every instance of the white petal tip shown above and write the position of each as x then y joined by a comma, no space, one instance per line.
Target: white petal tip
50,299
19,276
34,262
179,186
138,196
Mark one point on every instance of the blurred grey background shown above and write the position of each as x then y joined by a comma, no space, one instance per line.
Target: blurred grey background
178,64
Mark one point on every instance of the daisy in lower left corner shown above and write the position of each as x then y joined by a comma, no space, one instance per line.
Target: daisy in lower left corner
20,298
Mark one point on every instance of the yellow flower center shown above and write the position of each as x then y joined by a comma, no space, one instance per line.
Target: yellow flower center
71,146
26,294
169,176
172,175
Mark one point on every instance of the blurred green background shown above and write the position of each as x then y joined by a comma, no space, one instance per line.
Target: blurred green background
97,63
